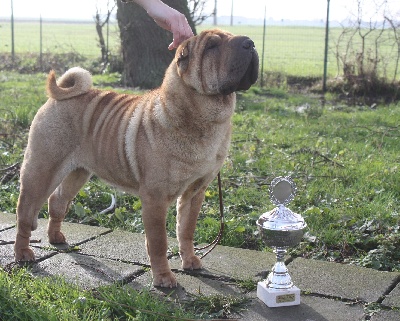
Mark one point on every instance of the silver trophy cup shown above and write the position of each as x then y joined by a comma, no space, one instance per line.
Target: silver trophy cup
280,229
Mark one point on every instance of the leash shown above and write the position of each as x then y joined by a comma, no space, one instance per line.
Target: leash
214,243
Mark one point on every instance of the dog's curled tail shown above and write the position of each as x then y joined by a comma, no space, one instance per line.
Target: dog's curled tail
76,81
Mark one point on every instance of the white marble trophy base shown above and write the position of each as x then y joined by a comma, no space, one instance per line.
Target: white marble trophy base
278,298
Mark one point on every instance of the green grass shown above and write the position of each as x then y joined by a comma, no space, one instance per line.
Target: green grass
291,50
346,165
24,297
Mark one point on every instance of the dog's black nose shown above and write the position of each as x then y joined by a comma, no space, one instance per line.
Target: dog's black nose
248,44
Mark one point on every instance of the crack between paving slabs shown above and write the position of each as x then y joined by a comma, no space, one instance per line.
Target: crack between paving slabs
52,248
336,298
351,302
123,281
8,228
389,289
70,248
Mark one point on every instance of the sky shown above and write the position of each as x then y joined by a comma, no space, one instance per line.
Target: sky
275,10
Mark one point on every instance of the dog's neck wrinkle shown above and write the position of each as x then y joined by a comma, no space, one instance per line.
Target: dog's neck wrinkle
213,109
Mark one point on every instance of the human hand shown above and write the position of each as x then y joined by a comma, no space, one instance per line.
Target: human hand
169,19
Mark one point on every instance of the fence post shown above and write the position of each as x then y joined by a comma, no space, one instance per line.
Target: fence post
215,13
326,47
41,44
12,34
108,34
263,46
232,14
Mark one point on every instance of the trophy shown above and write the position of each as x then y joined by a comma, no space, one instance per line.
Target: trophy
280,228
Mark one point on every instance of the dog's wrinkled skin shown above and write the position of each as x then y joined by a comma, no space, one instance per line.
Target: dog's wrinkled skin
165,145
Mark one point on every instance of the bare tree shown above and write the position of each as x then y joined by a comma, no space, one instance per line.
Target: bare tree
343,50
374,29
367,50
359,46
101,20
395,27
196,10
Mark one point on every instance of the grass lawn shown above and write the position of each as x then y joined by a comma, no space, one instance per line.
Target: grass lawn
24,297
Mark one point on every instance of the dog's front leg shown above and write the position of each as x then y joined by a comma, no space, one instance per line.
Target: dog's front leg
154,213
188,208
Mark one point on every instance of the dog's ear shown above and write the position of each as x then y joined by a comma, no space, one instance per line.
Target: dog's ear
183,58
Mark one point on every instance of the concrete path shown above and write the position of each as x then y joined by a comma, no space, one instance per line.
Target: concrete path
98,256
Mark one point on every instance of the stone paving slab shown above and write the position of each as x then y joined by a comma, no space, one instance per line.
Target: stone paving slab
7,254
121,245
383,315
233,263
7,220
311,308
188,285
341,280
86,271
393,298
74,233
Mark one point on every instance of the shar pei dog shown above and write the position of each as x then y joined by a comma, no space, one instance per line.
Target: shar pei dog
165,145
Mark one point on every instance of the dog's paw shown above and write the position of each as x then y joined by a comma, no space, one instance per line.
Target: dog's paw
24,255
191,263
56,237
165,280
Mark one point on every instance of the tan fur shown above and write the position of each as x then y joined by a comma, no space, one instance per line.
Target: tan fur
163,146
69,85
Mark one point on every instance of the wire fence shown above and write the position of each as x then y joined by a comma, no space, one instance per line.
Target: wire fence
308,49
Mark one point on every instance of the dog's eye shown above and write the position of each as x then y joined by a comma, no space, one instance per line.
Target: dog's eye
211,45
213,42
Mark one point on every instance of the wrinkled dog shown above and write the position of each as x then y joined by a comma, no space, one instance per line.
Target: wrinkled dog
166,145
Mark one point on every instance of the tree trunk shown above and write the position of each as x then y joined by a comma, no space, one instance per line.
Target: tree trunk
145,44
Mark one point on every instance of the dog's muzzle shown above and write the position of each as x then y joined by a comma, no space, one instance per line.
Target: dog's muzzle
245,67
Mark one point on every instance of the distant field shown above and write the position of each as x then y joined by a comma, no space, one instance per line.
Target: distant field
293,50
57,37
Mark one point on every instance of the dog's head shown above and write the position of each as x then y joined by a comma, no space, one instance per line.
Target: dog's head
217,62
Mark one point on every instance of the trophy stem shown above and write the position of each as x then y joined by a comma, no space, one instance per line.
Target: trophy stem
278,289
279,277
280,254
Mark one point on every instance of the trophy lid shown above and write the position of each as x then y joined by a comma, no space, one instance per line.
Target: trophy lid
282,191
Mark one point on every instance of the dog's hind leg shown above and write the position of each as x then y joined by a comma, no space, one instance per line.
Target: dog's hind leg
188,208
36,186
60,200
